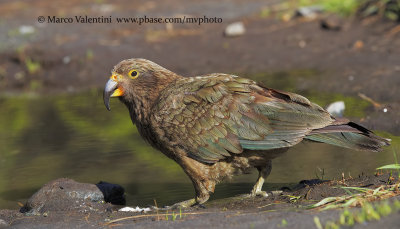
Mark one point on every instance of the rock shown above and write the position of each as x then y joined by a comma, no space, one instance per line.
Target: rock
65,194
235,29
26,29
66,59
336,109
309,12
113,193
332,22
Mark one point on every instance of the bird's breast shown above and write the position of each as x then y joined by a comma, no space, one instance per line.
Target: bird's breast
156,138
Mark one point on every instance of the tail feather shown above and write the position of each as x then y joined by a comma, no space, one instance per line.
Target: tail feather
350,135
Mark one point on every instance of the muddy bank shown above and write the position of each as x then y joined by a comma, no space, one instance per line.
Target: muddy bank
87,208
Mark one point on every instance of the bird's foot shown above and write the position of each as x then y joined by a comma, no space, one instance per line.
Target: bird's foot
253,194
179,205
259,193
263,194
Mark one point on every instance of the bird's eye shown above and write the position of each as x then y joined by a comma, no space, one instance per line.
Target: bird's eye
133,74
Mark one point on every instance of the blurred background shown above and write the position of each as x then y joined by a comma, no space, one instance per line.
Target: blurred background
53,122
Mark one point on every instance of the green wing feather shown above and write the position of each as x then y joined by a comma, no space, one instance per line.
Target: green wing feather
217,115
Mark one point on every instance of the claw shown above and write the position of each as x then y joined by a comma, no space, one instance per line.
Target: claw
176,206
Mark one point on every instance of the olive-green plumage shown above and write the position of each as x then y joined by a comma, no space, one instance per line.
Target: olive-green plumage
218,124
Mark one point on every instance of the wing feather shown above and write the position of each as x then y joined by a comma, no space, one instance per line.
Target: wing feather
217,115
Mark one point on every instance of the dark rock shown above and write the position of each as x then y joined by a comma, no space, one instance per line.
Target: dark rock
113,193
65,194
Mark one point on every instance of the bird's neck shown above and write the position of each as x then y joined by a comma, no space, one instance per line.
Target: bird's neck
139,112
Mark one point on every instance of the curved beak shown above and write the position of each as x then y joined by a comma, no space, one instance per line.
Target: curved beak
111,90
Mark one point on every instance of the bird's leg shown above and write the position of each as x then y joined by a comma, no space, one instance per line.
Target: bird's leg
263,173
202,195
202,185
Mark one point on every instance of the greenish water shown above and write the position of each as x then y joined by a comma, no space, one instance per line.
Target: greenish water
74,136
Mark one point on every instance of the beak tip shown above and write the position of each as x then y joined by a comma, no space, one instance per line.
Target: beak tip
108,91
107,104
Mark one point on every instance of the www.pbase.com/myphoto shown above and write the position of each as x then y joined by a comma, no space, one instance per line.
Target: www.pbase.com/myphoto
195,114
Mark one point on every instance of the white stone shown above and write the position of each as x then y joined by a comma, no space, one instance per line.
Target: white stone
235,29
26,29
336,109
66,59
309,11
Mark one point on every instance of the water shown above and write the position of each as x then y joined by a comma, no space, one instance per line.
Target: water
74,136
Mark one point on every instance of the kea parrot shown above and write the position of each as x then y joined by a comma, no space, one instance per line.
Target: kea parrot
218,125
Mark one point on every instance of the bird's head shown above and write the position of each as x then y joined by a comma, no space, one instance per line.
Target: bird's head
137,82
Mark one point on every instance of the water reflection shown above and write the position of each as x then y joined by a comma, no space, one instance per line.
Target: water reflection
75,136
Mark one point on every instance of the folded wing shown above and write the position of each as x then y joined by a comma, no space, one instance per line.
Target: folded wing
218,115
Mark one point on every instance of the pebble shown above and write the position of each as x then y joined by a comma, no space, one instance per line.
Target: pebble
359,44
26,29
336,109
235,29
302,44
309,12
66,59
